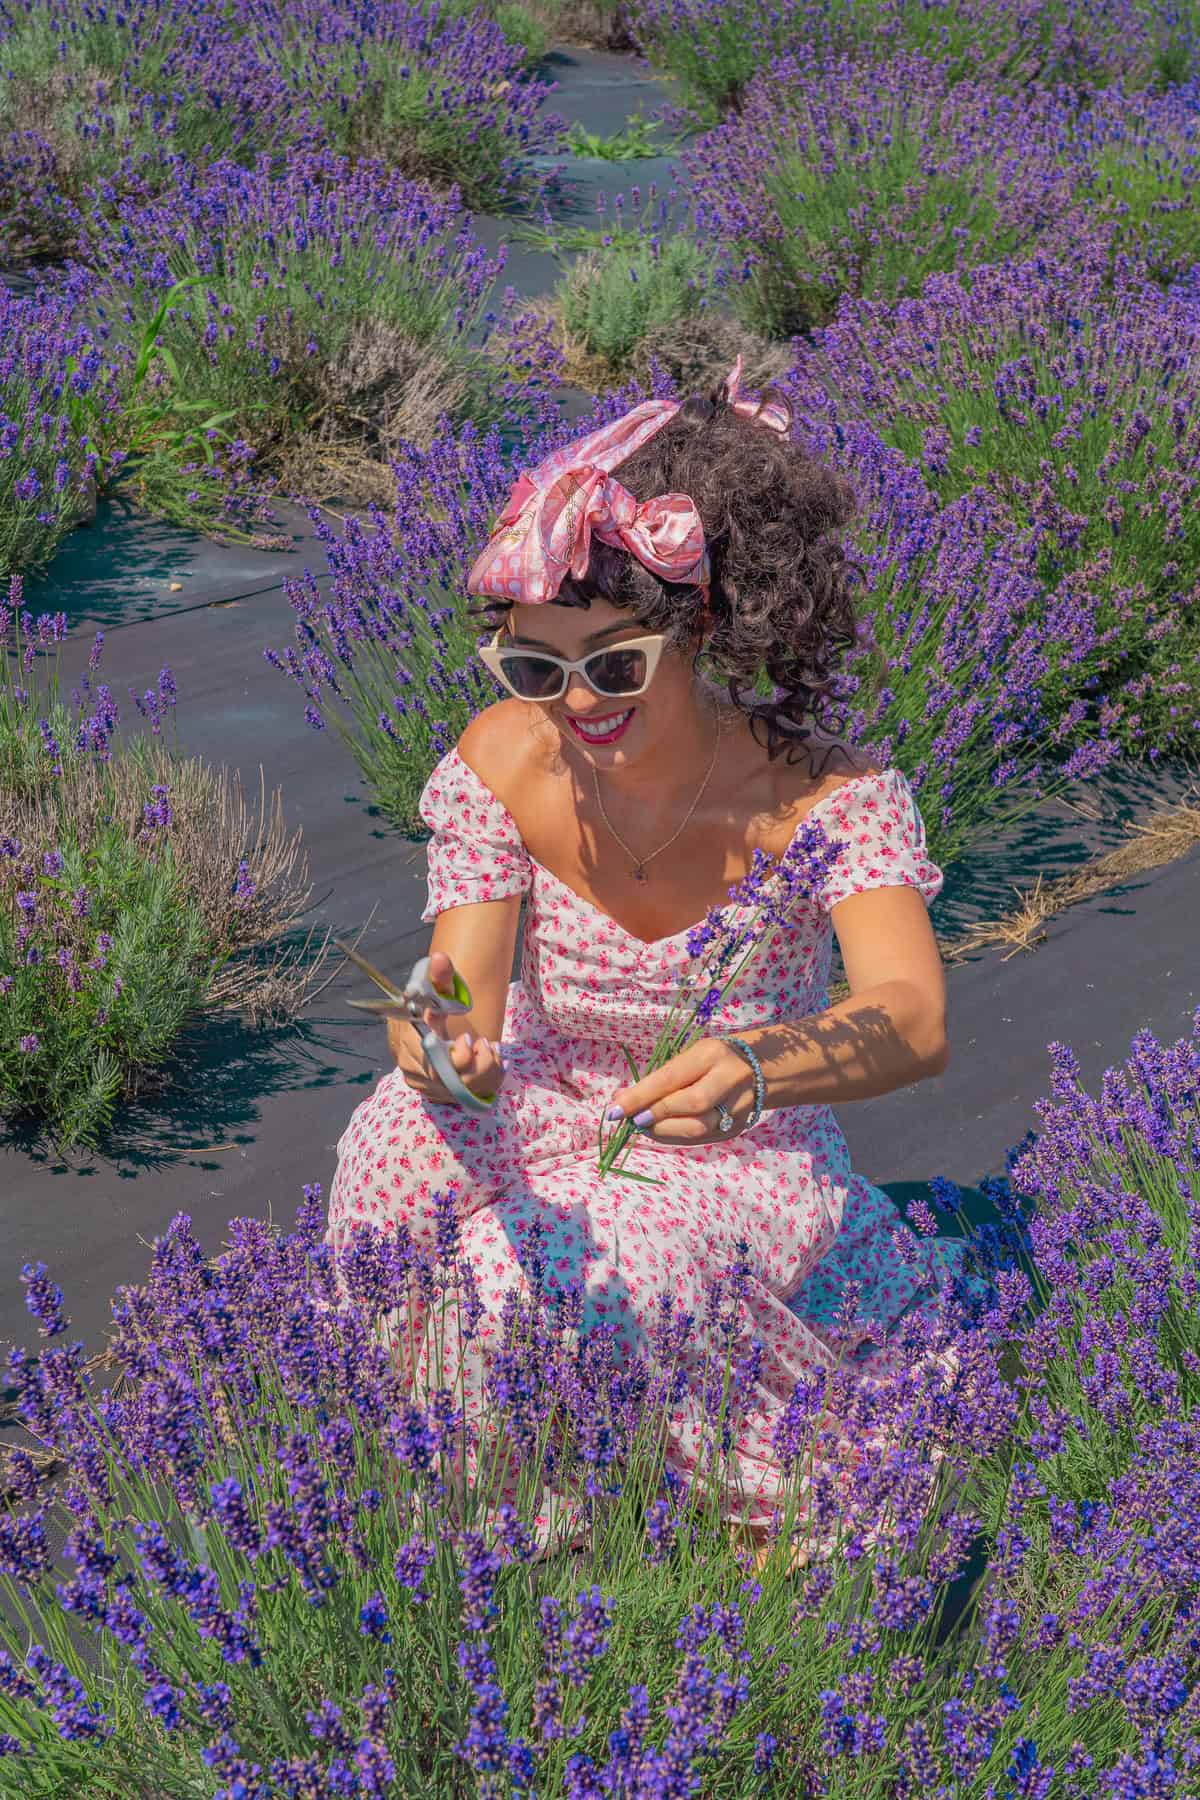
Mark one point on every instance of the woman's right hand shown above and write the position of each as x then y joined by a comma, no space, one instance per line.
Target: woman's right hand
475,1060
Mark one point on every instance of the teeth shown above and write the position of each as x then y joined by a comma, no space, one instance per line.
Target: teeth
605,726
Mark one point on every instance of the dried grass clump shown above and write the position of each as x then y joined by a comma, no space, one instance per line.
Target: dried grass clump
591,23
699,351
582,368
383,387
1171,831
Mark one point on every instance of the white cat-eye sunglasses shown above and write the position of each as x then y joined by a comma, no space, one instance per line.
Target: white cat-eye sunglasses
619,673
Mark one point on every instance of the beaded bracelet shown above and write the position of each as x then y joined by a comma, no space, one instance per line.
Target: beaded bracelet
760,1086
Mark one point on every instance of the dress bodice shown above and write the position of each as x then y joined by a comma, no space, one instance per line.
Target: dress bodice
588,977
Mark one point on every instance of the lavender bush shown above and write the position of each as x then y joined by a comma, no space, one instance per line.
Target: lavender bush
82,415
835,177
135,893
333,305
302,1572
1046,395
436,91
714,50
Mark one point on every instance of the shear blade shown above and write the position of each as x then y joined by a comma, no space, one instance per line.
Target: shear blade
381,980
387,1009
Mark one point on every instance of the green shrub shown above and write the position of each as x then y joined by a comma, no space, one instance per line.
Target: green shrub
611,298
136,892
123,962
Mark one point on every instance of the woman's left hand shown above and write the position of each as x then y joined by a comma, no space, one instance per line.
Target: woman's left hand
677,1104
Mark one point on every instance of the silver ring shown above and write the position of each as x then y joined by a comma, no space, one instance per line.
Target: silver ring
725,1118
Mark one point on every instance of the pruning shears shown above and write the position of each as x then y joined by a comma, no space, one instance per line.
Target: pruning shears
416,997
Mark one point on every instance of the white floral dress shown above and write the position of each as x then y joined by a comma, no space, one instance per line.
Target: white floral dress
587,988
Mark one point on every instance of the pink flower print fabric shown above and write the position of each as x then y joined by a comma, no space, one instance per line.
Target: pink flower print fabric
475,852
884,834
785,1189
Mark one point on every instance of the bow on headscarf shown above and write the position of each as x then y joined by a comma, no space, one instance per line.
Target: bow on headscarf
544,532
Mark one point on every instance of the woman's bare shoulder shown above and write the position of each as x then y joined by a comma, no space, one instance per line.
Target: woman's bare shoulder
827,765
503,746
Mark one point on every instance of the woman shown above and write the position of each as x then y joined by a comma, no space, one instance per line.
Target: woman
618,794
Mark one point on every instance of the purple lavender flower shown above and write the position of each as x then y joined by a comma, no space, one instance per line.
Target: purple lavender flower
157,811
477,1578
74,1715
411,1566
244,886
43,1297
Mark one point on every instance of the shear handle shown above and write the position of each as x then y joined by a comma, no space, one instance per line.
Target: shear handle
437,1055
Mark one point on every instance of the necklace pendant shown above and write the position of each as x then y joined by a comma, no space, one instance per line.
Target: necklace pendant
639,874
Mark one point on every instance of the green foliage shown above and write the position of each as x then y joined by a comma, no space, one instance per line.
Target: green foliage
634,141
141,957
612,298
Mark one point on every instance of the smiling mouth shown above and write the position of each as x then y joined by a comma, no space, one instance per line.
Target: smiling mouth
601,731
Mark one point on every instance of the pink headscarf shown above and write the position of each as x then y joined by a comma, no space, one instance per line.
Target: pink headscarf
544,532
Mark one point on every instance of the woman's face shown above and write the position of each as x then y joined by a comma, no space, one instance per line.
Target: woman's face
611,733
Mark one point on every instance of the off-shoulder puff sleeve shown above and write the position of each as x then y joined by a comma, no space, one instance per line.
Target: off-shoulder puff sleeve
475,853
883,834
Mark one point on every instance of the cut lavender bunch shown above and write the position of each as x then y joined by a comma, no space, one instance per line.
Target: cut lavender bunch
721,948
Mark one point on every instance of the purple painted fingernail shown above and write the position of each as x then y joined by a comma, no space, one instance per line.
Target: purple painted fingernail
615,1112
468,1038
642,1119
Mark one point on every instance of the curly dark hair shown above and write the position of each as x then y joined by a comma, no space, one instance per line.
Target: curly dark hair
781,594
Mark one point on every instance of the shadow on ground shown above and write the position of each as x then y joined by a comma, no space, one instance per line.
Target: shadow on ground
208,1099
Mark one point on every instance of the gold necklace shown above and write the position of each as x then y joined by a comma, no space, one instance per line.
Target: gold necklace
639,862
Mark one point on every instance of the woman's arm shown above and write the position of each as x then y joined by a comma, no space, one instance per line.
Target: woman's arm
888,1032
891,1028
480,942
